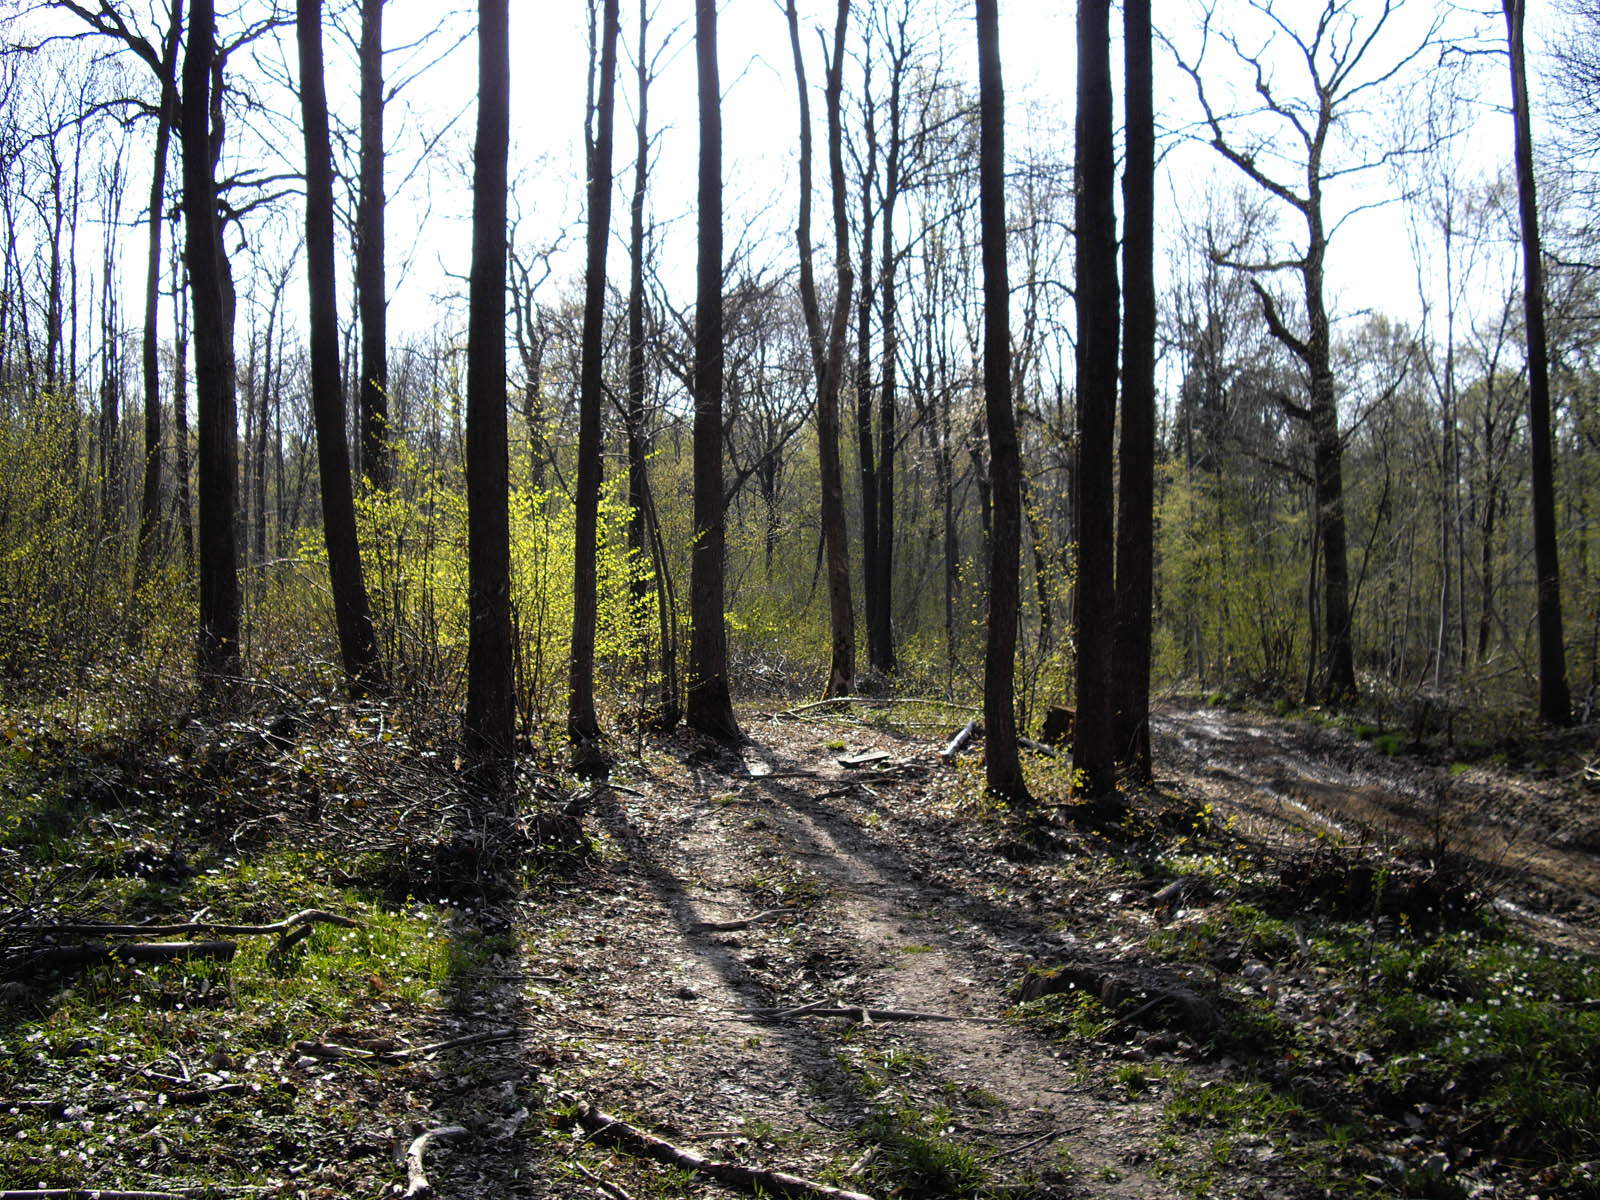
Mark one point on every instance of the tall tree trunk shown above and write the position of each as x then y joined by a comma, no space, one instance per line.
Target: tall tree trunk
1095,744
1136,497
358,646
1003,767
150,494
218,642
827,345
490,724
865,450
710,706
643,539
583,726
880,597
180,400
377,459
1555,702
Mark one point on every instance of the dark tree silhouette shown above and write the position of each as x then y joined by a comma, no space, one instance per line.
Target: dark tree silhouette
357,643
491,700
1555,701
1136,496
827,345
710,707
218,643
644,534
1003,767
377,459
1094,742
583,726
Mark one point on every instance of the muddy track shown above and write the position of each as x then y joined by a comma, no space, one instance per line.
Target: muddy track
1533,841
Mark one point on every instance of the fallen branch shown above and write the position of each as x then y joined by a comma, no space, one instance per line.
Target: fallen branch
1038,747
333,1052
614,1190
741,923
108,1194
606,1128
417,1185
856,1012
471,1039
309,916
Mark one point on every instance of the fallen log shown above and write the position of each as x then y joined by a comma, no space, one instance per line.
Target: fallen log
88,953
957,743
620,1135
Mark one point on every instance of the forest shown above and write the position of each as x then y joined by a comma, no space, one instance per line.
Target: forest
830,599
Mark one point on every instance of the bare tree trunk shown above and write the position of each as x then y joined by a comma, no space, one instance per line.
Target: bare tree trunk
1555,702
865,451
218,643
180,400
583,726
490,724
1094,746
150,495
358,645
827,346
1003,767
643,538
710,706
377,458
1136,497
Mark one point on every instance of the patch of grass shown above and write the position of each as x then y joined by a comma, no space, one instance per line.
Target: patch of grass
918,948
1067,1015
917,1159
1389,744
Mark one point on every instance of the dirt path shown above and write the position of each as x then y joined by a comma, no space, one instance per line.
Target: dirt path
736,886
853,918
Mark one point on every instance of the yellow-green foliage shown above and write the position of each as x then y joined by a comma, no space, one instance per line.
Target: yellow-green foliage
414,551
65,579
1232,581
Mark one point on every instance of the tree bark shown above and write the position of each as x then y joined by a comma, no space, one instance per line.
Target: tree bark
377,457
827,346
358,646
583,726
150,495
490,723
710,706
218,642
1555,701
1095,747
1136,496
1003,768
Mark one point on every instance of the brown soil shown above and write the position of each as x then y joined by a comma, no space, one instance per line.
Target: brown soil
888,885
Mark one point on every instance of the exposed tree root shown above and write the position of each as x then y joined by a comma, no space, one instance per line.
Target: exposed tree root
417,1185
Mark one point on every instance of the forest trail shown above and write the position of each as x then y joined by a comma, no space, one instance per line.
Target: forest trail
850,915
834,863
